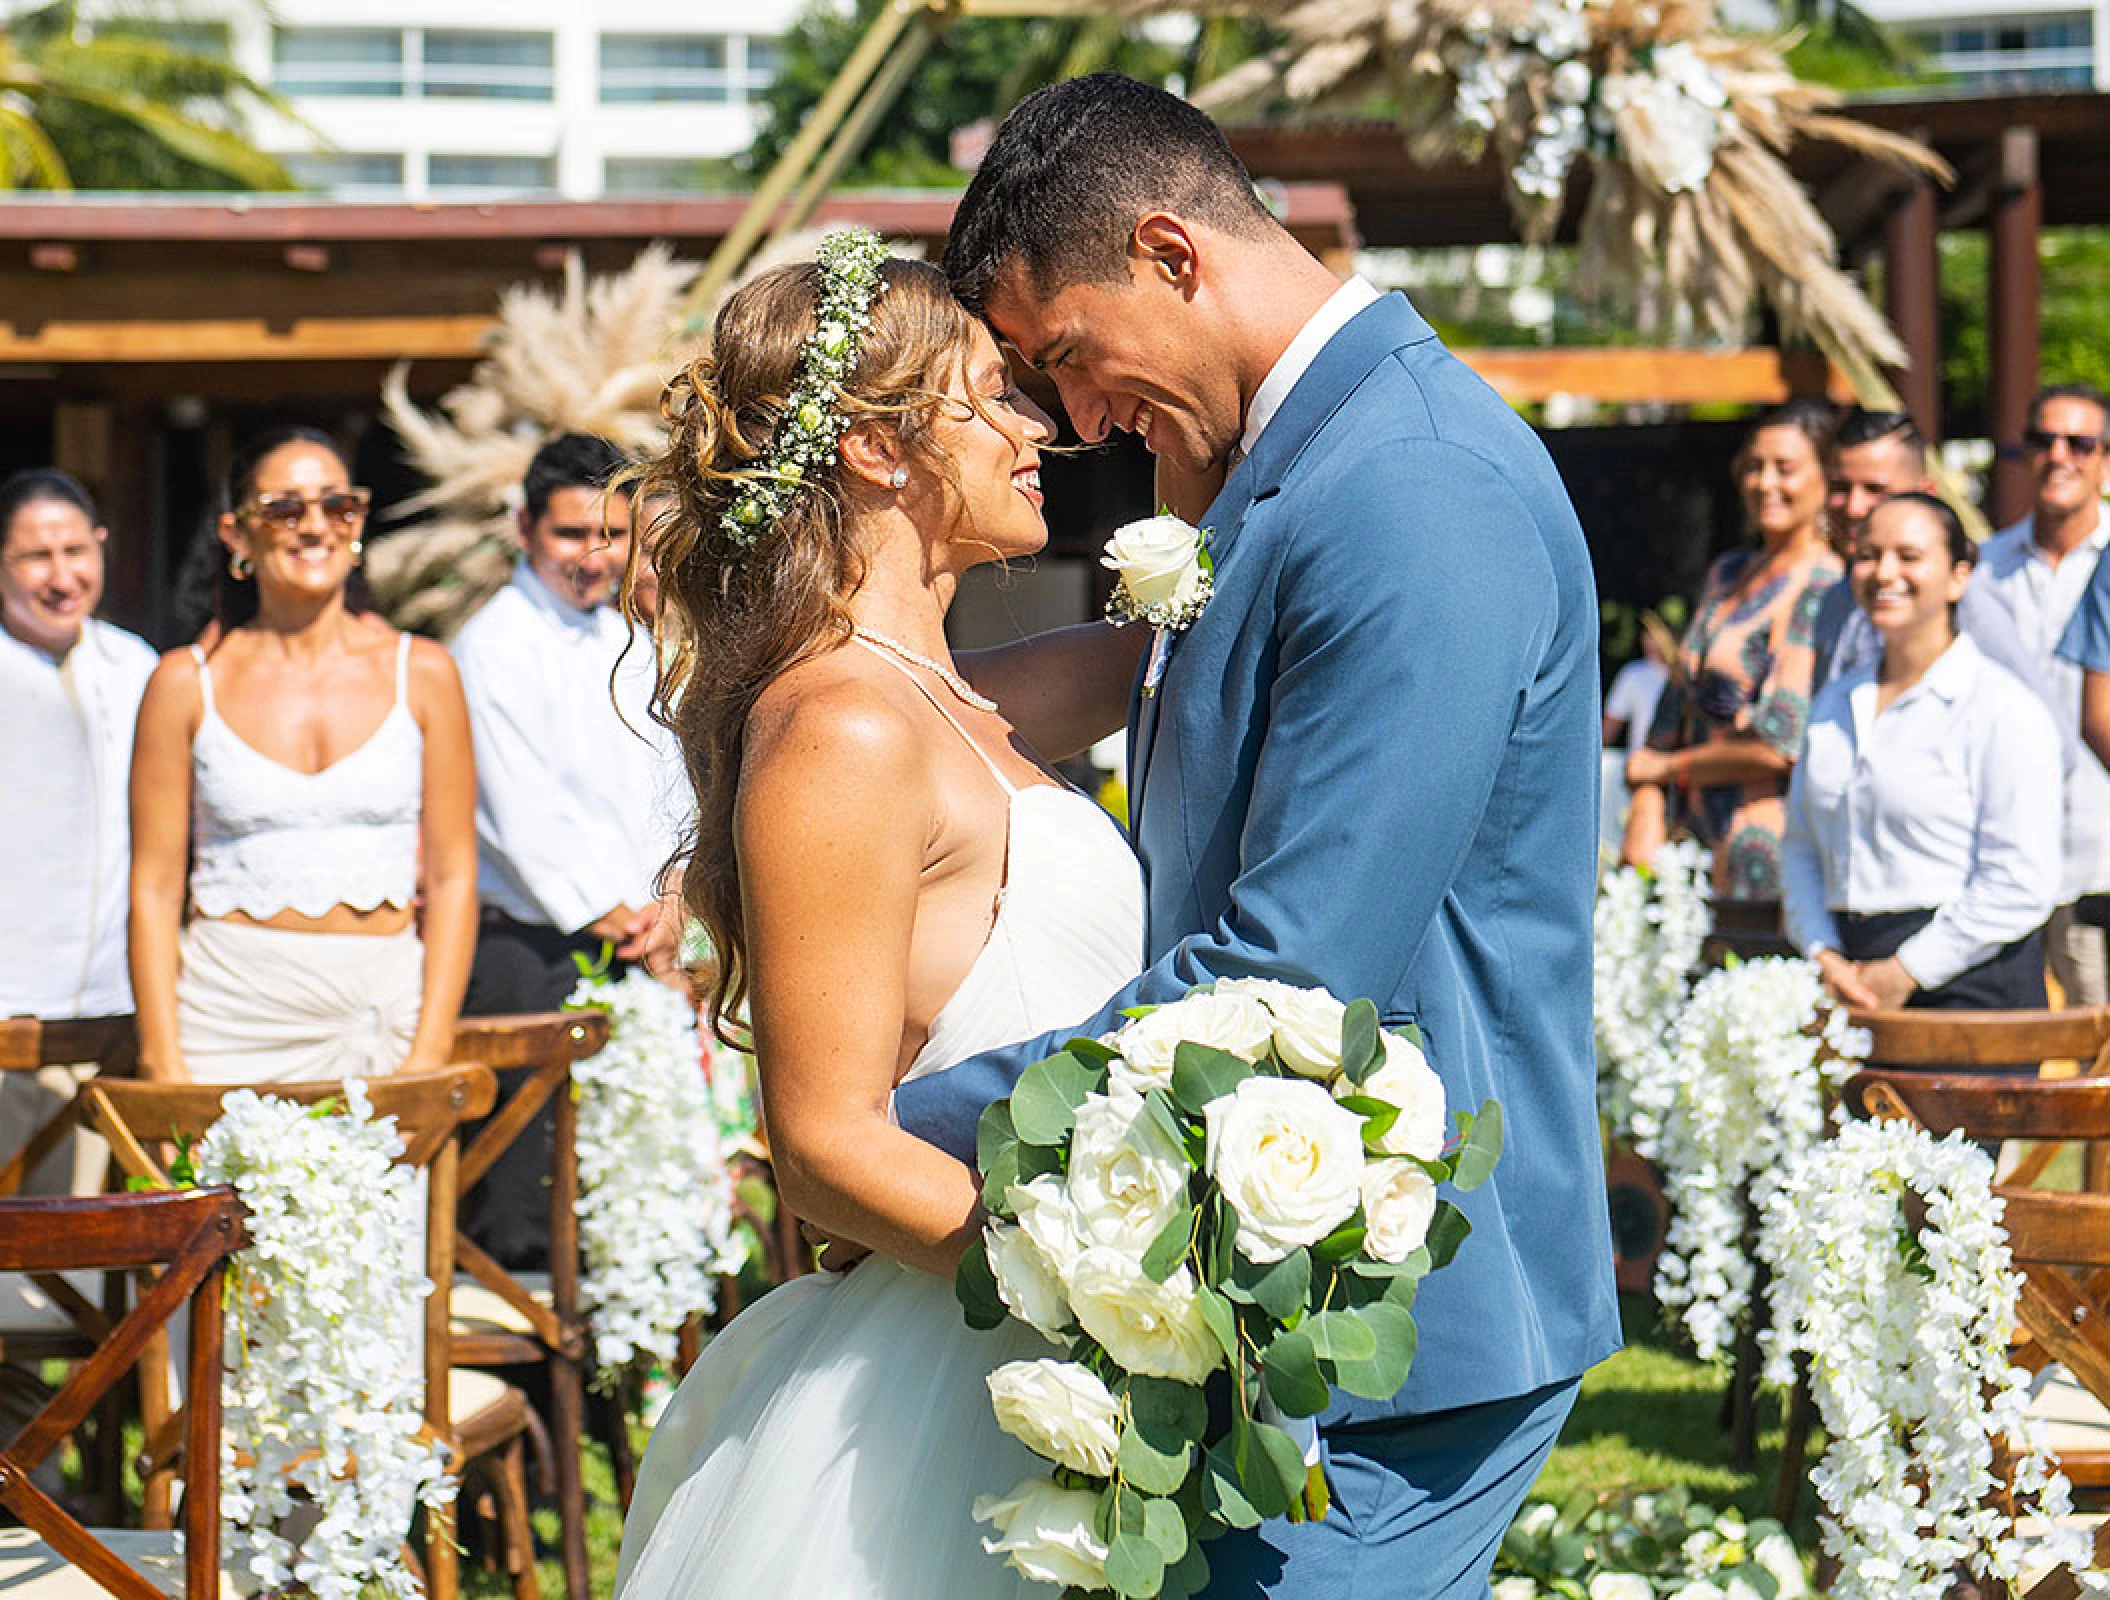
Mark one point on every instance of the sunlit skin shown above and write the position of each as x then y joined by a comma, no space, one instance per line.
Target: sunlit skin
2068,483
1907,582
51,574
872,839
305,684
1863,476
1781,480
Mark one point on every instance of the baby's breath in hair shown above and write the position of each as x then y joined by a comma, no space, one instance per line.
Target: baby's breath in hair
850,260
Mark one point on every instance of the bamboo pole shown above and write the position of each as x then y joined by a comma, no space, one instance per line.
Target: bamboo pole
878,99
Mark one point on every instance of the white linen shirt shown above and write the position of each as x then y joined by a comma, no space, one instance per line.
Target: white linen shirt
65,876
577,791
1947,800
2042,599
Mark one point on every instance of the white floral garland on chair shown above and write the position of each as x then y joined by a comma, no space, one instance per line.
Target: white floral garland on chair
1739,1091
1647,931
655,1193
322,1386
1907,1339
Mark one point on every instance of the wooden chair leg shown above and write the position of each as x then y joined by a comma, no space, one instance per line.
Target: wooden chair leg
156,1403
509,1487
443,1576
1794,1446
568,1427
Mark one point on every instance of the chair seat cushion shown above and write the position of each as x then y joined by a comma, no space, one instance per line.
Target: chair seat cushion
26,1310
31,1570
477,1310
469,1391
2075,1422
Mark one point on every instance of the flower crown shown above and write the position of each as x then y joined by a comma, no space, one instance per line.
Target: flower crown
850,262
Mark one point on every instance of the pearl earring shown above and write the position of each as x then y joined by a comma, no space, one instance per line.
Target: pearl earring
900,478
358,550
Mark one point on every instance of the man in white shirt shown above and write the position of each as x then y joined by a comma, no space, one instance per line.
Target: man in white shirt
576,785
2040,569
69,694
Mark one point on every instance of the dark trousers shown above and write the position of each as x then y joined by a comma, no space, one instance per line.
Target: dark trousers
2011,979
519,967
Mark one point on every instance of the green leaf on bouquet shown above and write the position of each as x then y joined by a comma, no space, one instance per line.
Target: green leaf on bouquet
1482,1147
1159,1106
1378,1116
1280,1288
992,1133
975,1285
1135,1568
1411,1032
1447,1231
1092,1052
1339,1336
1294,1381
1222,1495
1164,1527
1222,1320
1169,1248
1142,1462
1167,1409
1380,1377
1201,1073
1361,1048
999,1173
1270,1466
1044,1102
1187,1577
1343,1244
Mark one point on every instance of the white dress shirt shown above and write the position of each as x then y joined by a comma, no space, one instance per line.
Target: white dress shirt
66,726
579,794
1340,309
1949,799
2042,598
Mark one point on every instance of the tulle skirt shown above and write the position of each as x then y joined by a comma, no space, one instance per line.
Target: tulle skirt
828,1446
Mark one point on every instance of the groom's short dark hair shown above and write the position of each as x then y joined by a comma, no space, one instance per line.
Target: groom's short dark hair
1070,171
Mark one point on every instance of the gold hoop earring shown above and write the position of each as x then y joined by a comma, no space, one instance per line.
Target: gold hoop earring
239,567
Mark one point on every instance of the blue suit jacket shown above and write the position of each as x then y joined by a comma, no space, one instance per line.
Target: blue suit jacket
1372,765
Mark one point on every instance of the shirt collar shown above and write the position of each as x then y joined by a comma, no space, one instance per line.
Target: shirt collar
552,604
1340,309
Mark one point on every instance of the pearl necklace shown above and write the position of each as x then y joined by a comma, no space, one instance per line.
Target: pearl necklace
945,675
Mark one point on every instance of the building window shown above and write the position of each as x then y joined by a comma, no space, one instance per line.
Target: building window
338,61
662,175
489,66
2015,54
511,173
658,67
338,171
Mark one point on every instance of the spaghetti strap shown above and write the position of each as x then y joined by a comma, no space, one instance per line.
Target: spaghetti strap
204,677
938,706
402,668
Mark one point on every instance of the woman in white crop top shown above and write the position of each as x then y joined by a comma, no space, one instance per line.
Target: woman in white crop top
294,789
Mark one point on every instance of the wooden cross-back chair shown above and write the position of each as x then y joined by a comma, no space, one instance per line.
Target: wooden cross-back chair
503,1319
478,1419
2060,1244
2013,1043
1746,929
188,1237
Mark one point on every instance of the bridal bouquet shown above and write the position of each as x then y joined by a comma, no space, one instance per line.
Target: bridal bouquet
1235,1192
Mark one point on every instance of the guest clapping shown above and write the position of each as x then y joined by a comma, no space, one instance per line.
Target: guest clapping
289,785
71,685
1923,850
1728,726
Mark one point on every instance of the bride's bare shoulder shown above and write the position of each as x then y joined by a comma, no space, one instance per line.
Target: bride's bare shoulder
830,726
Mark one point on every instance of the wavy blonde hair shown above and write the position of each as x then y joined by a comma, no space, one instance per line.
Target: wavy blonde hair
732,618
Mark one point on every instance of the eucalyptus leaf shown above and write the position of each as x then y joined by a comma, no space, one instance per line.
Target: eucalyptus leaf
1223,1497
1154,1471
1271,1453
1343,1244
1476,1159
1167,1409
1361,1048
1095,1053
975,1286
1222,1320
1447,1231
1169,1248
1045,1099
1202,1073
1280,1288
1134,1566
1380,1377
1158,1106
999,1175
1164,1527
993,1132
1340,1336
1294,1381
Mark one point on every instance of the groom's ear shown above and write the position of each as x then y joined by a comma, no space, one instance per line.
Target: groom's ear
1163,248
870,453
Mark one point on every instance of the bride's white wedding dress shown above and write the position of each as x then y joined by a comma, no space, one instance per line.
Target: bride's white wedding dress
830,1442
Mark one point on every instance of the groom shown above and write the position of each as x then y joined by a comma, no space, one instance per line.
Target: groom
1370,764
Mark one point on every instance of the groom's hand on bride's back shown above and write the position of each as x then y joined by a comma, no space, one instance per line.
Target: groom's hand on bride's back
832,1253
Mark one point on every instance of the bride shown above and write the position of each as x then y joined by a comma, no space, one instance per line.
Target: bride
894,882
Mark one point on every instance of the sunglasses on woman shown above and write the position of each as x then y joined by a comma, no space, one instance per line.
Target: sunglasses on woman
283,513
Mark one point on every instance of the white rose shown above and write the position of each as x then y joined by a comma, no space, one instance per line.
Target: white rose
1157,561
1621,1586
1148,1045
1059,1410
1307,1024
1026,1281
1155,1329
1538,1518
1406,1080
1045,1531
1399,1202
1288,1159
1515,1589
1045,1217
1127,1179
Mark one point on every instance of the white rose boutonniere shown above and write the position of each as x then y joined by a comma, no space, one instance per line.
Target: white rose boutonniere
1162,570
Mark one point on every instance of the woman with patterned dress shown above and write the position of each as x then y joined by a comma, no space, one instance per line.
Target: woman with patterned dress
1722,749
